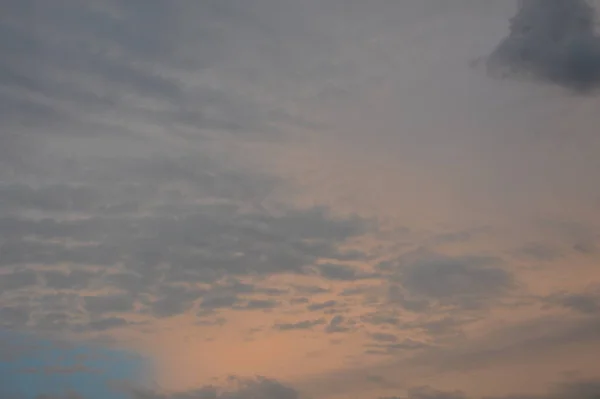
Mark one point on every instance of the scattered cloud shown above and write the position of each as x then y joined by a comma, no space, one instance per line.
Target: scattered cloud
296,190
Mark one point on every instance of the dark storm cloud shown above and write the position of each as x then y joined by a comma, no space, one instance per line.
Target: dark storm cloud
552,40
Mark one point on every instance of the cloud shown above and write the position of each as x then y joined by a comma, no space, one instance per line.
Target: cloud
552,40
514,343
222,177
172,300
300,325
321,305
431,393
578,389
465,281
259,387
14,316
18,280
384,337
334,271
387,348
584,302
74,279
337,325
107,323
261,304
589,389
540,252
156,257
109,303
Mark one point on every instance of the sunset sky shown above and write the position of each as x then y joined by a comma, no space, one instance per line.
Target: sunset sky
299,199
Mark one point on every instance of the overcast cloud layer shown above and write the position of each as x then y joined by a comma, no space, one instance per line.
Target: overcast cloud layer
281,199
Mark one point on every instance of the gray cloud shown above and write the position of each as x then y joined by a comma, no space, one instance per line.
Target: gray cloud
398,295
514,343
54,197
261,304
337,324
466,281
301,325
219,301
581,389
540,252
432,393
585,302
17,280
265,388
552,40
109,303
382,347
106,323
321,305
74,279
384,337
147,255
259,387
171,300
134,135
586,389
13,316
108,63
335,271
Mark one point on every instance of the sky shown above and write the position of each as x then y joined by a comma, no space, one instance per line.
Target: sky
316,199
